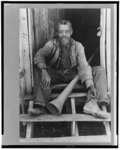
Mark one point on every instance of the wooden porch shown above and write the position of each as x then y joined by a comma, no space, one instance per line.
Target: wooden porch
36,27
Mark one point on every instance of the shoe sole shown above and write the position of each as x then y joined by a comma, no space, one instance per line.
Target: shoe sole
95,114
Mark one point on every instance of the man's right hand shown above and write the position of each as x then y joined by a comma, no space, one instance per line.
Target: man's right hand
45,79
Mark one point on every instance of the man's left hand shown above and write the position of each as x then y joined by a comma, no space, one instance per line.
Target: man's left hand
92,92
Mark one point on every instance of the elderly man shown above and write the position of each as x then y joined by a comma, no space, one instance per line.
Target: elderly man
59,61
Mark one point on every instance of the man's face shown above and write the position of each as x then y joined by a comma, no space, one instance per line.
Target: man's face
64,34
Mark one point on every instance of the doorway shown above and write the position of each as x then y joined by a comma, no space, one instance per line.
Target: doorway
85,23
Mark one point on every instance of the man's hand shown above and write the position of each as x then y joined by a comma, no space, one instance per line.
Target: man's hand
45,79
92,92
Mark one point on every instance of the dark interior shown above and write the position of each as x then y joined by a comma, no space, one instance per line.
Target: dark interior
85,23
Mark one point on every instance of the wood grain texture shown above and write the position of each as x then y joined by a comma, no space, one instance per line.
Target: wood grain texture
25,50
106,124
31,40
30,125
74,126
63,118
68,140
102,38
108,47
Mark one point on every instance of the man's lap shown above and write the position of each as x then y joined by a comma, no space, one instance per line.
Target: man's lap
59,76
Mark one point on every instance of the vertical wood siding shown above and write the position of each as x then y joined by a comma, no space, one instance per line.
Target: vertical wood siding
37,26
108,47
45,21
105,43
25,55
102,38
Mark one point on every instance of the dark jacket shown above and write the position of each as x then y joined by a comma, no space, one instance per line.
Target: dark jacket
50,53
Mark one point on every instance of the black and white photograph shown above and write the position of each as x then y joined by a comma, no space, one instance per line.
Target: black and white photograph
67,57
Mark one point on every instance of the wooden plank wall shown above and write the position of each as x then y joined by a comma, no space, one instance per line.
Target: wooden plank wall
25,55
37,26
45,21
105,43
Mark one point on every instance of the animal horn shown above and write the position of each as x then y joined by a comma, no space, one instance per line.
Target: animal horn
55,106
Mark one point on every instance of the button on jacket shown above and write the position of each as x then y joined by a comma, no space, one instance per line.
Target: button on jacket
50,53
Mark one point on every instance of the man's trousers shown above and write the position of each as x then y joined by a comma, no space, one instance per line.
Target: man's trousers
43,96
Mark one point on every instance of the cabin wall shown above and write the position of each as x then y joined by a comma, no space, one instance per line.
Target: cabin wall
37,26
25,54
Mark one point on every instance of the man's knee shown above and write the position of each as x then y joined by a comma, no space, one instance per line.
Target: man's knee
99,69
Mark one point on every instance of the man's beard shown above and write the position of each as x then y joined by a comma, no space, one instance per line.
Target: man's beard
64,40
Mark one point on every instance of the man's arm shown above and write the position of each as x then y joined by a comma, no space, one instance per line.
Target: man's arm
85,72
84,69
40,61
42,54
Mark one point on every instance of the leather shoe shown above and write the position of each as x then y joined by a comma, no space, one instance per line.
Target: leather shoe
92,108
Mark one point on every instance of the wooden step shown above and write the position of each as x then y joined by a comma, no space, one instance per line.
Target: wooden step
31,97
63,86
62,118
69,140
71,95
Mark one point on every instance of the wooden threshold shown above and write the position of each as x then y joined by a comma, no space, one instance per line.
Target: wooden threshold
62,118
